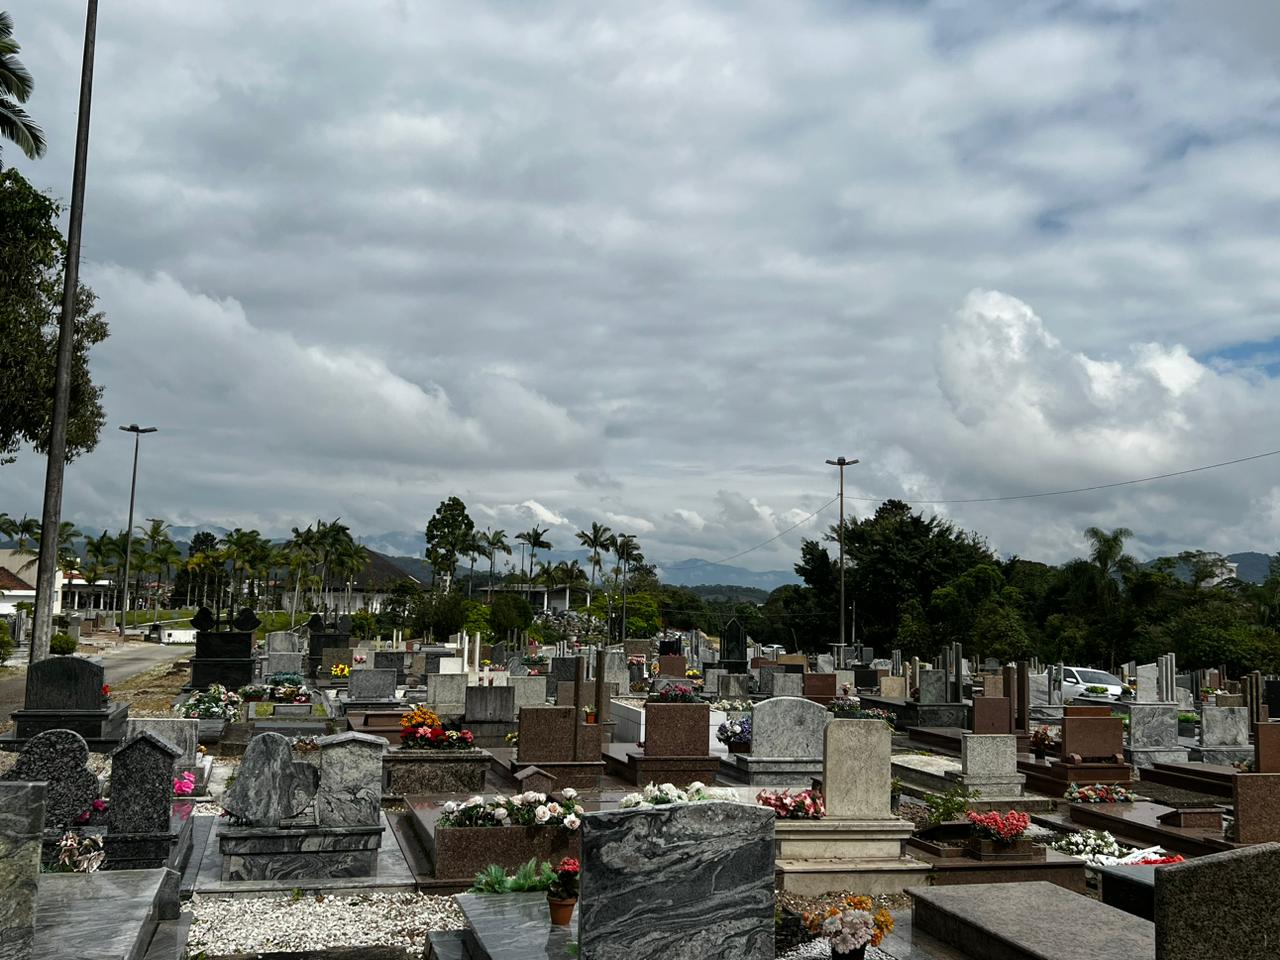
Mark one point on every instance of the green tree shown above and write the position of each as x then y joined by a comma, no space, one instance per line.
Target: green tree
448,534
492,543
32,256
510,615
597,541
16,85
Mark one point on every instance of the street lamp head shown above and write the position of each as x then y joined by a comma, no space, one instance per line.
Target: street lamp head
841,462
134,428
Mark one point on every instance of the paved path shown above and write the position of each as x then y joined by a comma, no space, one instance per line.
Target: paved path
121,664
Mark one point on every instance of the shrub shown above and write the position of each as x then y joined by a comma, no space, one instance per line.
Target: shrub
6,642
951,805
63,644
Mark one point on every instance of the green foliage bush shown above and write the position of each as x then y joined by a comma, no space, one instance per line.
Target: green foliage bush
6,642
950,805
62,644
532,877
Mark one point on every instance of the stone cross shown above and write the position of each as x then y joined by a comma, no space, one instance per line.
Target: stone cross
59,758
141,785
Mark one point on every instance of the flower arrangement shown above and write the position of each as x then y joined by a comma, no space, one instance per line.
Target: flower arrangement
805,805
253,692
285,680
216,703
340,671
1003,828
106,691
522,810
851,925
1088,844
1042,738
844,704
358,658
733,706
677,693
420,716
656,796
1098,793
184,785
735,732
512,738
304,744
486,663
94,813
435,738
693,674
1100,691
565,885
79,854
850,708
1244,766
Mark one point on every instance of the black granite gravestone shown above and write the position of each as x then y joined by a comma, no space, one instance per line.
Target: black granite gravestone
59,758
66,693
733,647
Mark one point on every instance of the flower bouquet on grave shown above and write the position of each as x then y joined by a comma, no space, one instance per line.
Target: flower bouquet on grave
435,738
358,658
106,692
658,795
1098,793
215,703
803,805
79,853
735,734
95,815
851,926
184,785
1042,739
420,716
340,671
254,693
1000,835
677,693
528,809
733,706
850,708
1089,845
563,894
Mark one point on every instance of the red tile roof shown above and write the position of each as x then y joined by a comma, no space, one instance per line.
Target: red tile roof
11,581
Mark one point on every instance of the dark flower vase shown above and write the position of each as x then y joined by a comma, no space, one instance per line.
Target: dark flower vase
739,747
858,954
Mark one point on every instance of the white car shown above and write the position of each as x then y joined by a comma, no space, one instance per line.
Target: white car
1076,682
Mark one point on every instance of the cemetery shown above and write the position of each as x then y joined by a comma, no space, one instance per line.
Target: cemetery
673,815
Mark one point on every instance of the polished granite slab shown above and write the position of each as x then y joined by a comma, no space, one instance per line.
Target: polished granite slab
108,915
393,873
515,926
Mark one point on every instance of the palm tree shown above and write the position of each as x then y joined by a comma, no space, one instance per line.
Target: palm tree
16,85
472,546
571,574
239,547
546,576
495,542
165,556
533,538
628,553
596,540
301,550
22,532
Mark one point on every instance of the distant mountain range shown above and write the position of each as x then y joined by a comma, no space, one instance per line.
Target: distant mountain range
1251,566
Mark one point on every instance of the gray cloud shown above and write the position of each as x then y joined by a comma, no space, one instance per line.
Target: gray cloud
657,262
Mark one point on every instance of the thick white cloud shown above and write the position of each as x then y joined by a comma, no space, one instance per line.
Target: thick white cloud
653,264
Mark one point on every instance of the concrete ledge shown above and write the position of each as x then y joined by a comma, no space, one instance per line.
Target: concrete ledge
1029,921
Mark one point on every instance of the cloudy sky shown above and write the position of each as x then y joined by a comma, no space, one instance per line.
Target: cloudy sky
653,263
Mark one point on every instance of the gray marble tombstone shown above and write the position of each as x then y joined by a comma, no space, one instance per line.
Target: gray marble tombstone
372,685
497,704
788,727
933,686
1224,726
350,792
141,785
21,831
284,662
59,758
682,882
270,785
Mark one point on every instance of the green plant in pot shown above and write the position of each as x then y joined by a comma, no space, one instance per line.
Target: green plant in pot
563,895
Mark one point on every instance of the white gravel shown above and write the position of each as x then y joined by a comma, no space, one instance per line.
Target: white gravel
261,925
817,949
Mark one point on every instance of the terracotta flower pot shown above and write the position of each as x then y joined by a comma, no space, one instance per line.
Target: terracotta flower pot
561,911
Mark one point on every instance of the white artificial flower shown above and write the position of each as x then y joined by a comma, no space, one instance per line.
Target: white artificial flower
631,800
542,814
568,793
555,808
450,807
500,814
571,821
475,802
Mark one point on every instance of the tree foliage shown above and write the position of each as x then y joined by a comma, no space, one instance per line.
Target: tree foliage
32,259
450,534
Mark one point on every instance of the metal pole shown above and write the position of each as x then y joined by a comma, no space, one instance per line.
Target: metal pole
128,542
51,515
841,462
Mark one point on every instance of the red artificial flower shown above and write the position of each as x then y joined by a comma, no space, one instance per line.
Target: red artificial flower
106,690
569,865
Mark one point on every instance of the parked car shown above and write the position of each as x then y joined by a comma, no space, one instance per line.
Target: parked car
1077,681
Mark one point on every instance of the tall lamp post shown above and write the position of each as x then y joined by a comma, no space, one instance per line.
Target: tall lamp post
51,513
841,462
137,432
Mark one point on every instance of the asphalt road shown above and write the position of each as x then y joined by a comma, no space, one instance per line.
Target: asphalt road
120,665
